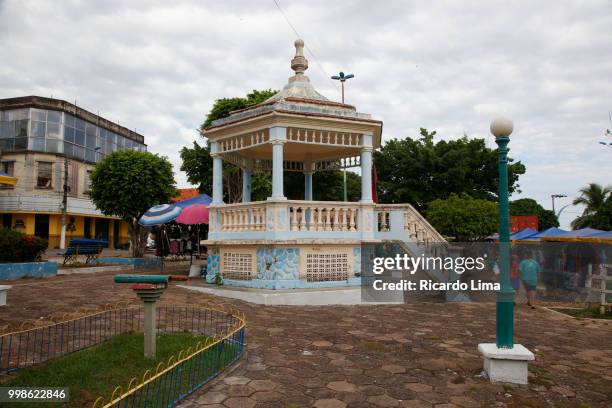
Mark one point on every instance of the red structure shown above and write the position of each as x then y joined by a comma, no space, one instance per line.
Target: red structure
519,222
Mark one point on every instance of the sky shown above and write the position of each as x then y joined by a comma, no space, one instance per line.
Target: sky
452,66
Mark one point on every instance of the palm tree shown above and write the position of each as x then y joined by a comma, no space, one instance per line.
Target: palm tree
593,197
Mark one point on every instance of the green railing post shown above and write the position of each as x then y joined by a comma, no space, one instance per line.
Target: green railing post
505,296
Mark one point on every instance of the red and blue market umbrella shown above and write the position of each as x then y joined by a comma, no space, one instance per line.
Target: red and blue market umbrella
160,214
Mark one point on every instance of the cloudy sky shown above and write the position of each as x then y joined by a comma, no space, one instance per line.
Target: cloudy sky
158,66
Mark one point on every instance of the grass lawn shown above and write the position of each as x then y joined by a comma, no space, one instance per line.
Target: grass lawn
97,371
592,313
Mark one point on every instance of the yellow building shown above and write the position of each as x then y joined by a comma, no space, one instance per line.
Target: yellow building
48,145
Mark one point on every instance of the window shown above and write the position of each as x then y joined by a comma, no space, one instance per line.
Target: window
21,128
87,182
7,130
37,144
79,137
7,167
44,176
54,116
79,124
90,155
38,129
21,143
69,120
38,114
53,130
69,134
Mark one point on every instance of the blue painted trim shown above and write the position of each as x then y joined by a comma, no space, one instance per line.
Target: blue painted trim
291,284
13,271
139,262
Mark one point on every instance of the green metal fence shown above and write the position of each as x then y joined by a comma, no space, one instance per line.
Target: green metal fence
171,382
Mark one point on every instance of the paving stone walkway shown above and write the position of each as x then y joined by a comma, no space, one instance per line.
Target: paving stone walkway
422,355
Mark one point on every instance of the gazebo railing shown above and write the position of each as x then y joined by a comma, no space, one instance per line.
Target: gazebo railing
301,216
321,216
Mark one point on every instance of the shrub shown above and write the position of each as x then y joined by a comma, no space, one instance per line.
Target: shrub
17,247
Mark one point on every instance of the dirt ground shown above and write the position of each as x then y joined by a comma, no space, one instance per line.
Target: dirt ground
421,355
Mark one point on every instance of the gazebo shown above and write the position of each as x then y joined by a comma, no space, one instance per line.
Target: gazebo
280,243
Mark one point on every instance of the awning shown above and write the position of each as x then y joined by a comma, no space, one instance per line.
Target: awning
605,237
549,232
516,236
574,236
7,180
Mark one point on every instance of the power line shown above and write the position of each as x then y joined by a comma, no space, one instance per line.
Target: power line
314,57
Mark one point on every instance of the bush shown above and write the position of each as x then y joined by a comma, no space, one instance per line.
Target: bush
17,247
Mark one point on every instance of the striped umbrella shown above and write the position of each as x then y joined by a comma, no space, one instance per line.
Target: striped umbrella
160,214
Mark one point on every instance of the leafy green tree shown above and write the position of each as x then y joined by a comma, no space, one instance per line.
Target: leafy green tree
597,213
197,164
529,206
224,106
126,183
462,217
419,171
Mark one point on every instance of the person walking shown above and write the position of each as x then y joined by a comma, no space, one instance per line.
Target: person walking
529,270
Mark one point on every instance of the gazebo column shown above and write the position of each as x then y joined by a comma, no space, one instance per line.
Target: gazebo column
366,169
246,185
278,137
308,186
217,190
308,171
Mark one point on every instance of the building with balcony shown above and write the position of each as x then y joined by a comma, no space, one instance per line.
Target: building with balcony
46,144
280,243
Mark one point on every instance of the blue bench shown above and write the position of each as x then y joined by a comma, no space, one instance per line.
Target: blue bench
90,248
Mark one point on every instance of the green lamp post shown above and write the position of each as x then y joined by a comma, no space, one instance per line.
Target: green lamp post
501,128
504,361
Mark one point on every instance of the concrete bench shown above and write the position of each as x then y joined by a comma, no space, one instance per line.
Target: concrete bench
3,290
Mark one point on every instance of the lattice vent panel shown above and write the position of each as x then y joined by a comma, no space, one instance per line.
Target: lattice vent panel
327,267
237,266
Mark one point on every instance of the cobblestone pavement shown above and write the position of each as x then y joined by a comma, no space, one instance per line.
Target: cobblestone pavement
422,355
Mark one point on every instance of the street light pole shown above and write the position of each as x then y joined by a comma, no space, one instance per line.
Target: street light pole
502,128
342,77
553,196
504,361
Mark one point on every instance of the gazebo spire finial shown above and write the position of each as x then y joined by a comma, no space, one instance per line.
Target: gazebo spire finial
299,63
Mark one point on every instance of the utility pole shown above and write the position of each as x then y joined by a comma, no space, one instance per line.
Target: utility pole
66,188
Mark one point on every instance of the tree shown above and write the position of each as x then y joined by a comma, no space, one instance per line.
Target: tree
529,206
224,106
462,217
197,164
126,183
419,171
597,213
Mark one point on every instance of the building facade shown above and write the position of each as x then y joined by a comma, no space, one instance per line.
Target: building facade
47,144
